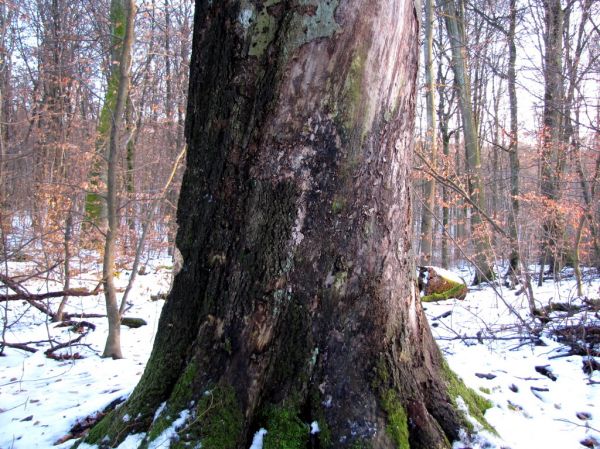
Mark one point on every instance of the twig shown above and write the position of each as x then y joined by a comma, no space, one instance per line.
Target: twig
23,278
491,338
458,189
50,352
145,226
586,426
41,296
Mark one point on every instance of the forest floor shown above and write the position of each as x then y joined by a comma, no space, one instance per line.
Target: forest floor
542,396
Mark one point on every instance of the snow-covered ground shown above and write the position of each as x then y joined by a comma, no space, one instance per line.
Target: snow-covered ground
483,338
40,398
486,335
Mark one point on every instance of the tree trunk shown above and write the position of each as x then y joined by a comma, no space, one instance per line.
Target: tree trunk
95,206
67,262
513,149
552,147
113,340
444,115
481,241
431,139
296,301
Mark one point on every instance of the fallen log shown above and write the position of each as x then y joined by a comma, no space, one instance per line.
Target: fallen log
21,346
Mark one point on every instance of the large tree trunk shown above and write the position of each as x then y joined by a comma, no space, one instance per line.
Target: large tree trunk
296,301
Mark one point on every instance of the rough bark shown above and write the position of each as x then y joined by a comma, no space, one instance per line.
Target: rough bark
552,152
296,301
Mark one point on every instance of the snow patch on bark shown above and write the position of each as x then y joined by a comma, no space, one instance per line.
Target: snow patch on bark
132,441
314,427
171,432
159,411
257,441
245,18
446,274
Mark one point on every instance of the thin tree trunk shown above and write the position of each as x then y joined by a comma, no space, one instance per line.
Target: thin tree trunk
112,347
481,241
95,204
552,146
67,262
576,261
445,135
431,139
513,148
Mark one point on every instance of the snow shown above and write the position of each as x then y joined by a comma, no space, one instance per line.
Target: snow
41,399
170,433
314,427
525,418
257,441
447,274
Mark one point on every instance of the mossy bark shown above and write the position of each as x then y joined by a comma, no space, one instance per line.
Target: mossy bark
95,208
296,300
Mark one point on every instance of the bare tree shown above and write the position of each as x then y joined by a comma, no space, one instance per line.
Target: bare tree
123,14
455,28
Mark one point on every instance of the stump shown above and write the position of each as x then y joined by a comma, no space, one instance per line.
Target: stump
439,284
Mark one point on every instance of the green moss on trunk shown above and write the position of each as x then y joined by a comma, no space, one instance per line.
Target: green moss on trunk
285,429
397,427
94,200
219,419
476,404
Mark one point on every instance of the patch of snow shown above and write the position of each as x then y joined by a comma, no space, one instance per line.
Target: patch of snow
158,411
41,399
483,335
86,446
132,441
246,17
314,427
257,441
451,276
170,434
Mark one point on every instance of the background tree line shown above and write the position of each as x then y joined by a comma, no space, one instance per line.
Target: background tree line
59,63
508,155
93,101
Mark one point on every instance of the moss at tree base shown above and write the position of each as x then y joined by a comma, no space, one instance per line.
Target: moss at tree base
476,404
397,427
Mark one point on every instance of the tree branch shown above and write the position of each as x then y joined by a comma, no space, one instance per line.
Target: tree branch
458,189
